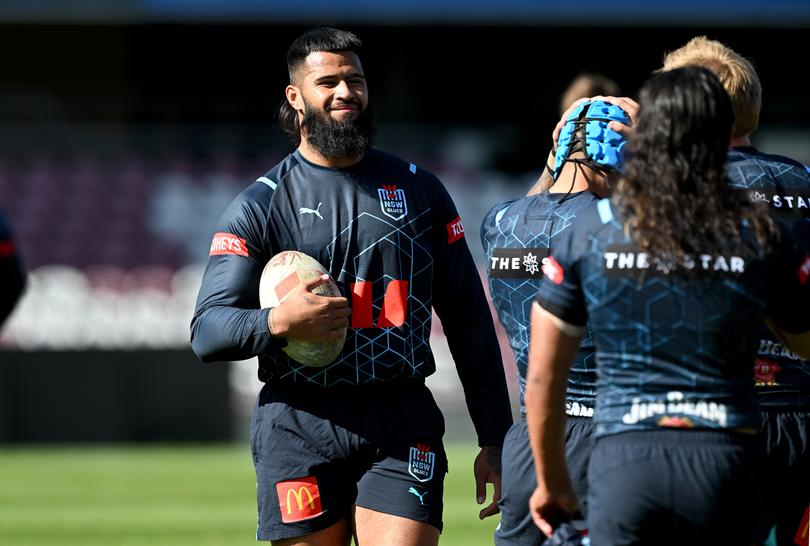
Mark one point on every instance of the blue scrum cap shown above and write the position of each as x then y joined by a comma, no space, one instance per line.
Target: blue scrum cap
602,146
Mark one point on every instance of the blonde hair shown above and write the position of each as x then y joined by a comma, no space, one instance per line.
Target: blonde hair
735,72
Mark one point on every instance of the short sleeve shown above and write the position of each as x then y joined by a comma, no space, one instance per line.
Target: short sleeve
560,289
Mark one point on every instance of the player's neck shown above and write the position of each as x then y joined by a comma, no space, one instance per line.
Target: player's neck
314,156
741,142
570,172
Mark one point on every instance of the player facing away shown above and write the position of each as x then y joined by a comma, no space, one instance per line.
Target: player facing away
517,236
353,448
674,273
782,377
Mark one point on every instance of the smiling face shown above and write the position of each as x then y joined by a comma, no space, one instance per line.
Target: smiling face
331,85
328,94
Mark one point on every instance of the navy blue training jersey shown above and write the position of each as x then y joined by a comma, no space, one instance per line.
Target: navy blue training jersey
390,236
12,275
782,377
517,235
672,350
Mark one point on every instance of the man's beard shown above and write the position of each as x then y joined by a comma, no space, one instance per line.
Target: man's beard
350,138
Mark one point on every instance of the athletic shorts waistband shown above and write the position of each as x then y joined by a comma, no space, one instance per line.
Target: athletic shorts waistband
385,388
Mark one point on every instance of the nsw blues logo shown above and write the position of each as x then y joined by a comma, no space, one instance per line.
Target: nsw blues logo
421,462
392,202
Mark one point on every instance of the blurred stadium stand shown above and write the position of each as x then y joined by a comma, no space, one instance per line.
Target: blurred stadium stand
126,128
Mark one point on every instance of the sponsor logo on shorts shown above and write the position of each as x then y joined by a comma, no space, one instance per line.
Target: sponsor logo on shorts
517,263
578,410
393,202
421,462
765,372
553,270
420,495
228,243
299,499
455,230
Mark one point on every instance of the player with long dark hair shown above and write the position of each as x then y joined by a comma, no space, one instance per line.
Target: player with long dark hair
674,274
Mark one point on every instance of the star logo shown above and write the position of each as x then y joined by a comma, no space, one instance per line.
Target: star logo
530,264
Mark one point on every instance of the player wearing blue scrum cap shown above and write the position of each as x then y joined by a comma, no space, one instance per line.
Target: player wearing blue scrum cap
587,130
517,236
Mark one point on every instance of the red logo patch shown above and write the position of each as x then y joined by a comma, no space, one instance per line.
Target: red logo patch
765,372
299,499
455,230
675,421
804,271
228,243
553,270
6,249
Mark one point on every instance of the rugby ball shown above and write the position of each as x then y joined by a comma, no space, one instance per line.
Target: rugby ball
281,274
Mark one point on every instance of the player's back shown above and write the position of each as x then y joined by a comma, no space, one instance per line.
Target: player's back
517,236
782,377
674,348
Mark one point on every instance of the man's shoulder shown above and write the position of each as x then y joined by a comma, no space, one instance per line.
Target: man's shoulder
391,162
544,203
255,199
496,213
592,216
754,156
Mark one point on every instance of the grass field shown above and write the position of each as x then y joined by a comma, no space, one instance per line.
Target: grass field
167,496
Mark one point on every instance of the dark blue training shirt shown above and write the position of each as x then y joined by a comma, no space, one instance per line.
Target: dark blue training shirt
672,350
390,236
517,235
782,377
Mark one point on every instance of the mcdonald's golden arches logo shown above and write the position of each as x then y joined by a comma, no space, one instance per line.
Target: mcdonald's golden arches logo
299,499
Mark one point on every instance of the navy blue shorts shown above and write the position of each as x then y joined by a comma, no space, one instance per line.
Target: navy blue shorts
518,479
675,488
786,437
317,452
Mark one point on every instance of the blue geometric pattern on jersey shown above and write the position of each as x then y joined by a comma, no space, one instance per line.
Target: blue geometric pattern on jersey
534,222
783,378
394,352
670,352
602,145
397,256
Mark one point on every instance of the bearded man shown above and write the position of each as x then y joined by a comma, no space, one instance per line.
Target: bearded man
353,448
